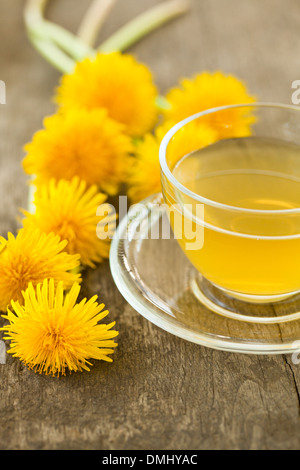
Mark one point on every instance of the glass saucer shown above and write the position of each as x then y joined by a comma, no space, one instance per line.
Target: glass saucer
157,280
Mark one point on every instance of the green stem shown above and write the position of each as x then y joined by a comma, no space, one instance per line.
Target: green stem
70,43
34,10
144,24
51,40
33,15
53,54
93,20
42,33
162,103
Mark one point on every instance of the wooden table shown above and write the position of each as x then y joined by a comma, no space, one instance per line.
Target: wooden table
161,392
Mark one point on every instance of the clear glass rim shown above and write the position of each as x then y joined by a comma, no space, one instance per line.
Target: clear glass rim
169,175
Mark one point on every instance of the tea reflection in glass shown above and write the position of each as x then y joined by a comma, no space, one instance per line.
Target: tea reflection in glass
250,189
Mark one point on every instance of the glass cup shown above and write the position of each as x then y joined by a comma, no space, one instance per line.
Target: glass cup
231,180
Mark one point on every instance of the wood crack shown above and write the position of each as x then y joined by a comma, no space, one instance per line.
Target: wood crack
294,381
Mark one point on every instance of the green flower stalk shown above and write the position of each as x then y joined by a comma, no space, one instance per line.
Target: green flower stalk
143,24
62,48
55,43
94,19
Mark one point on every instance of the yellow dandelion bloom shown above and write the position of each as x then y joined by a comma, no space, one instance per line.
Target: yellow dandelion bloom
144,171
51,333
80,143
210,90
33,256
116,82
68,209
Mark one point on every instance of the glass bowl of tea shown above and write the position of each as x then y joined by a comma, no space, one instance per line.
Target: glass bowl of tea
234,202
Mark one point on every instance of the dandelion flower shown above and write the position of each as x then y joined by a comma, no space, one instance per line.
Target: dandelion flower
51,333
210,90
80,143
116,82
144,171
68,209
33,256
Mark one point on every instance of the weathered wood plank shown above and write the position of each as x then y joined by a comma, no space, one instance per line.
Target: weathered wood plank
161,392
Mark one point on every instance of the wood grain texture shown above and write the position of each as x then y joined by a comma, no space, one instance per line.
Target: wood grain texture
160,392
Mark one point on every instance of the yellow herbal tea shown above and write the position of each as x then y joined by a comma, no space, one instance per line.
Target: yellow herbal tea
248,248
